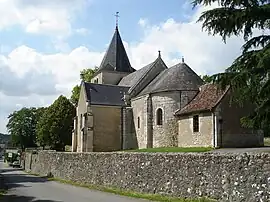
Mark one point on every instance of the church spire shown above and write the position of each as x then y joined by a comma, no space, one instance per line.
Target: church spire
117,18
115,58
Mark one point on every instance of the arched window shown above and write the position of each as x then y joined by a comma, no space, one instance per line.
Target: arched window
81,120
138,122
196,126
159,117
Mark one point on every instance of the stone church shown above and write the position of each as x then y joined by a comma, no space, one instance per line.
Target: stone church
155,106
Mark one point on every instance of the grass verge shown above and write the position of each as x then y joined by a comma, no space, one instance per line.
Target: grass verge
173,149
151,197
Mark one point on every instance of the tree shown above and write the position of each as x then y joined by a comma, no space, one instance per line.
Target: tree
55,126
85,75
75,95
249,74
206,78
22,126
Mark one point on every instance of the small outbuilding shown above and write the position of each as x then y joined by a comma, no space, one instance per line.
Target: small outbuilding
211,119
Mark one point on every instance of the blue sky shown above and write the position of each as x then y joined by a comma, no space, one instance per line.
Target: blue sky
98,18
44,44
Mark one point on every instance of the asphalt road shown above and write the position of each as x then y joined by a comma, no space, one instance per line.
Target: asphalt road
28,188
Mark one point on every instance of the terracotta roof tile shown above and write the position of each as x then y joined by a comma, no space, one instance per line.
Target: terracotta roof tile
208,97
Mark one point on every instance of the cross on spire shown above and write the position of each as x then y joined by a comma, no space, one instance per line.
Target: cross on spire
117,18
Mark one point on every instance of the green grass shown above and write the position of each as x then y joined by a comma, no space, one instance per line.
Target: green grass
267,141
151,197
173,149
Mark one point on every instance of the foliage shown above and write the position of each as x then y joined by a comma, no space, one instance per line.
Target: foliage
206,78
85,75
55,127
4,138
75,94
267,142
22,126
248,76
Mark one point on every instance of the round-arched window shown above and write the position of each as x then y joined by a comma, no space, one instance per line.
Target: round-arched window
159,117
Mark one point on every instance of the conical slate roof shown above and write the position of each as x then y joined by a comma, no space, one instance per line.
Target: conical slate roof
116,58
178,77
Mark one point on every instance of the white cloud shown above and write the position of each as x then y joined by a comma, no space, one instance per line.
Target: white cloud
143,22
82,31
204,53
30,78
64,68
40,17
60,72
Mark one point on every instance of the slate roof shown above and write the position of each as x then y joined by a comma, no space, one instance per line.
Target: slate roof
131,79
102,94
177,77
208,98
116,58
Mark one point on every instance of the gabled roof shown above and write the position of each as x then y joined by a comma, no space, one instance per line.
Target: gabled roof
153,70
116,58
177,77
102,94
131,79
207,99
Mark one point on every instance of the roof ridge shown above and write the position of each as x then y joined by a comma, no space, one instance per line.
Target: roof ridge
222,96
101,84
143,76
203,95
174,78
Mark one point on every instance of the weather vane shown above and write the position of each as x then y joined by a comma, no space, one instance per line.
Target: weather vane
117,18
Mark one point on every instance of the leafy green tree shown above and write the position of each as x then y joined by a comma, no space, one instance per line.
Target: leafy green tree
75,94
55,126
85,75
22,126
206,78
249,74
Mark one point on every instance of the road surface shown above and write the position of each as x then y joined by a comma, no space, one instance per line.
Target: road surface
28,188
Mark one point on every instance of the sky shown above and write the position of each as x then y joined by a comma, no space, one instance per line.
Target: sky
44,44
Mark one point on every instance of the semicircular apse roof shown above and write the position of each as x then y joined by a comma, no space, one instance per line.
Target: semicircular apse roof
177,77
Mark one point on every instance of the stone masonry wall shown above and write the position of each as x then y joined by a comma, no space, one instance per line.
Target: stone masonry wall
140,111
203,138
165,135
226,177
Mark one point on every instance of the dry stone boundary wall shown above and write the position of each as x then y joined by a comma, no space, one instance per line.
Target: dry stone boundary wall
226,177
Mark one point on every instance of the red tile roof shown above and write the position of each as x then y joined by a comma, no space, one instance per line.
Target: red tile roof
208,97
